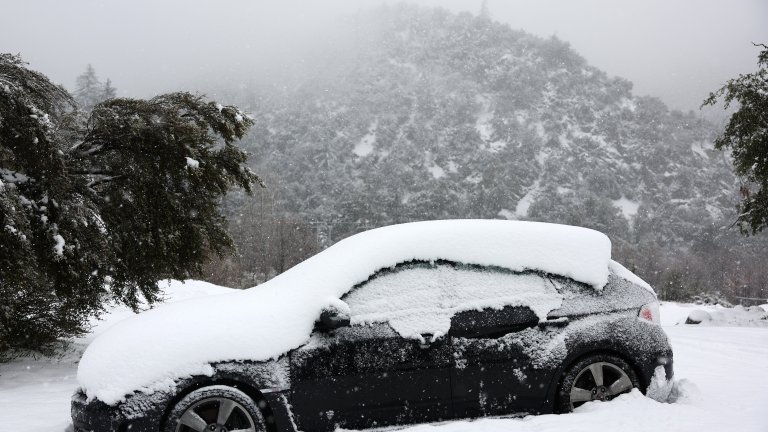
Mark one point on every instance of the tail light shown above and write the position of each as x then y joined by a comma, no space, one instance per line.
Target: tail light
650,312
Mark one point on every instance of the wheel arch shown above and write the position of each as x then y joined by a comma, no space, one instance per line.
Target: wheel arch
198,382
559,375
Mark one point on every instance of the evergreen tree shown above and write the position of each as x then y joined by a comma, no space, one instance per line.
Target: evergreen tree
485,13
45,280
90,91
100,207
109,91
746,135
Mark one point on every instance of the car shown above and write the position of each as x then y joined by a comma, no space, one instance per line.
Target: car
412,323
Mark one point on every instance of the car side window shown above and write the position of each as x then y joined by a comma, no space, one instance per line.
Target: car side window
423,299
569,288
492,323
401,297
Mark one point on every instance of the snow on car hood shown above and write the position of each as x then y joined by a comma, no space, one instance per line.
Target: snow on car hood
152,350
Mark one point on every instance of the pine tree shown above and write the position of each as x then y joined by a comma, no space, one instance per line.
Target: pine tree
109,91
746,136
100,206
485,13
89,90
45,280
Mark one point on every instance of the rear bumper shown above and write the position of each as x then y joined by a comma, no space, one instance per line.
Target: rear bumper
668,368
648,368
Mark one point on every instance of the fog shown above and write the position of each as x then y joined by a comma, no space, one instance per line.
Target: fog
678,51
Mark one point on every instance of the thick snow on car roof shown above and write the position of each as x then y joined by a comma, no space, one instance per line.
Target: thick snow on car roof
152,350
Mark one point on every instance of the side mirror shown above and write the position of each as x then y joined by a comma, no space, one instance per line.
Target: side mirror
332,319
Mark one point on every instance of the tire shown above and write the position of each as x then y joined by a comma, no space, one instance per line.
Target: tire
580,382
215,409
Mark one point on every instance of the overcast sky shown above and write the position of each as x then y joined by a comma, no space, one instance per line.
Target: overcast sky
678,50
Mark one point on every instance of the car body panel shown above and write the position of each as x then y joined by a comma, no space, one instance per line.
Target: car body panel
487,364
367,376
580,299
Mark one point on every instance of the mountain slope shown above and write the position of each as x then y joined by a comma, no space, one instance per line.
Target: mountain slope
423,114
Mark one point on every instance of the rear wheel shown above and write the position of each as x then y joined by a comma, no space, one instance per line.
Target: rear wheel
597,377
216,409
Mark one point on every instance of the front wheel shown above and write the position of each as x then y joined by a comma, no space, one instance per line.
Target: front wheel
215,409
597,377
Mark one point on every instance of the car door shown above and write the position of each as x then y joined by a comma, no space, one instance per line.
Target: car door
492,371
367,374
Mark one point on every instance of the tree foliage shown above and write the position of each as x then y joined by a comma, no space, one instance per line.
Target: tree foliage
746,136
269,240
89,90
99,207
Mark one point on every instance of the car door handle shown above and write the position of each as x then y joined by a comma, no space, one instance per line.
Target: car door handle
554,322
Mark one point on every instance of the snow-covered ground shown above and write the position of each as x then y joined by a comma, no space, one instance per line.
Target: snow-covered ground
721,369
35,394
715,315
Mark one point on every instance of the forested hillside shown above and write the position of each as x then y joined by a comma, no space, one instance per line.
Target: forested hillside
423,114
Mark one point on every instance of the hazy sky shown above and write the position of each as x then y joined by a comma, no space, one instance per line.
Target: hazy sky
678,50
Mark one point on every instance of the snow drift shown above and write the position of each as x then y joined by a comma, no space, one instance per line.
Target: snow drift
152,350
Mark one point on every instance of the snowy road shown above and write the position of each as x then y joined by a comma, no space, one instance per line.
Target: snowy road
724,372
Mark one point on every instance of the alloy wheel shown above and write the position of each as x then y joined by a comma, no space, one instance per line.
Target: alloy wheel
601,381
216,414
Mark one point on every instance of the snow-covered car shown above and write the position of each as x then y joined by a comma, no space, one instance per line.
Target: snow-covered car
410,323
